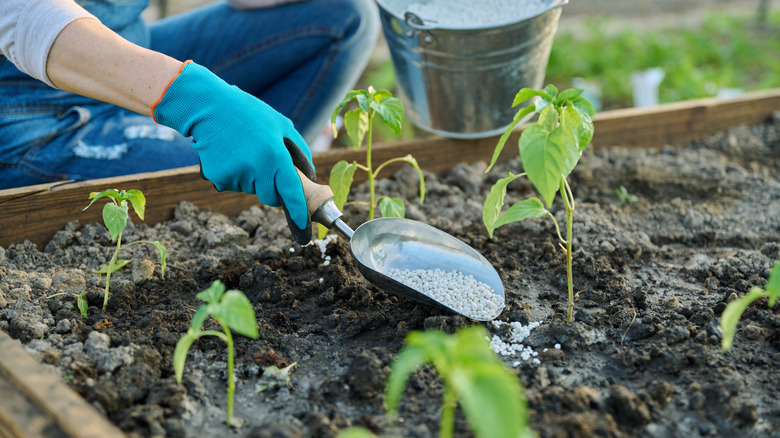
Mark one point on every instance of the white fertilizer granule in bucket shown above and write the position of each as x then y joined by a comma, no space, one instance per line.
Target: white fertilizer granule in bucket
462,293
475,13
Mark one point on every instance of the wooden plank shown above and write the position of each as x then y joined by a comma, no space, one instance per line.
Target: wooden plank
35,213
36,404
680,122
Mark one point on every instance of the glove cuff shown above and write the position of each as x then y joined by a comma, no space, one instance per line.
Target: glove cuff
190,98
165,90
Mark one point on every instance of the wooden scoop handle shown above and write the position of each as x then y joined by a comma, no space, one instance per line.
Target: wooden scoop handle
316,194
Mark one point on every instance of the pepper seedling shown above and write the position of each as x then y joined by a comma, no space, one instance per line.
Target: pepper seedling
490,396
624,197
233,311
358,124
115,215
81,302
549,151
733,311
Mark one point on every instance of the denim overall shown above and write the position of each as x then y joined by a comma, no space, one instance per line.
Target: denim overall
300,58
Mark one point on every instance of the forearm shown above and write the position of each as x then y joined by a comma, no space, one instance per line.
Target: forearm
89,59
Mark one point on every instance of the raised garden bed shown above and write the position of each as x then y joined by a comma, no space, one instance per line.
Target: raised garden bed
642,358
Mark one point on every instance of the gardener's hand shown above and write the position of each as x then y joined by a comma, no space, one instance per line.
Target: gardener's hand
240,141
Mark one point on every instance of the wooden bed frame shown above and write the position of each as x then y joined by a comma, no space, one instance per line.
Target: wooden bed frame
35,213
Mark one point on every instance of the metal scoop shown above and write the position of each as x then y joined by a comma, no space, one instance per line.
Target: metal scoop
381,245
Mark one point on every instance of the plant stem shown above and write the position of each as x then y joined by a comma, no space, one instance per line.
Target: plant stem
557,228
370,171
111,268
447,421
231,389
568,202
569,280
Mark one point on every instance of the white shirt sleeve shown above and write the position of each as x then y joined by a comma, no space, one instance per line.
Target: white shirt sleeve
28,29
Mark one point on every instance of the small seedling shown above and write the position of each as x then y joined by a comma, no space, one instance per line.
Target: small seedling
624,198
81,302
490,396
549,151
115,214
273,377
734,310
358,124
233,311
355,432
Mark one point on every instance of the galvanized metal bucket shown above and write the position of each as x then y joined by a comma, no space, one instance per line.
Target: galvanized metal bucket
460,82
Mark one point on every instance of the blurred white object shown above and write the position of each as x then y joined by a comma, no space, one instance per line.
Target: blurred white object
323,141
727,93
591,90
645,84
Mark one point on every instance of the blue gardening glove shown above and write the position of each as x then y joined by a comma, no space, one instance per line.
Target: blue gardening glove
240,141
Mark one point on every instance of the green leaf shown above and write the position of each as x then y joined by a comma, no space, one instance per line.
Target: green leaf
392,112
409,359
551,90
322,231
351,95
213,293
355,432
730,316
471,345
494,202
565,95
356,124
548,118
115,218
491,400
381,94
138,200
199,318
340,181
163,254
362,100
119,264
531,207
545,157
772,285
82,304
585,130
564,141
573,122
94,196
437,346
528,93
180,353
235,311
392,207
519,116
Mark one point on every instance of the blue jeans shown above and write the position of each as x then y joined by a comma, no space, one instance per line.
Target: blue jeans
300,58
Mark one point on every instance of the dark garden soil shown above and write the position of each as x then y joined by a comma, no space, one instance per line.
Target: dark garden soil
642,358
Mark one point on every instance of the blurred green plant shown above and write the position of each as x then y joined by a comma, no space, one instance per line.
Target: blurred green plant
733,312
624,197
490,397
726,51
233,311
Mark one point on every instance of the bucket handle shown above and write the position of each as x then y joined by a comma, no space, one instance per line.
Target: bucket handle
415,22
